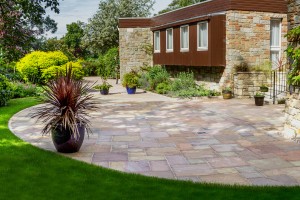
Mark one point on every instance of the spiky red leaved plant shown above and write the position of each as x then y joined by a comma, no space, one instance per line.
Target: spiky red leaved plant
67,104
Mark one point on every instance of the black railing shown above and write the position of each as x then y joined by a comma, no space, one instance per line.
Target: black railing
279,84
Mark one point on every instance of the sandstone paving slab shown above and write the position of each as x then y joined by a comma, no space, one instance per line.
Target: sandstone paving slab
271,163
199,140
225,178
226,162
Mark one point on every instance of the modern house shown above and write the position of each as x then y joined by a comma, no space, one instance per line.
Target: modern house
208,38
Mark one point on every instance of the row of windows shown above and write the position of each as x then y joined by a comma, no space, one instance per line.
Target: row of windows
202,38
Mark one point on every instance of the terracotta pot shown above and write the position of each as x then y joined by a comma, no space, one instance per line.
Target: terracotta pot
64,140
227,95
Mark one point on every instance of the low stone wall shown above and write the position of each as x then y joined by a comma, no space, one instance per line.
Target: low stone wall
292,117
209,76
246,84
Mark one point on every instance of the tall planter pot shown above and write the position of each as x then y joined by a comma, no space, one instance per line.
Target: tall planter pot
131,90
259,101
64,140
227,94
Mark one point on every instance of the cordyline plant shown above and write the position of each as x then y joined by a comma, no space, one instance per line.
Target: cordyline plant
68,103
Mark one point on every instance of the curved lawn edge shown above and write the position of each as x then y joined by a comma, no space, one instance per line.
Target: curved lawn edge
28,172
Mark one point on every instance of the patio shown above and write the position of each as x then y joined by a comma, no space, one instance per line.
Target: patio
208,140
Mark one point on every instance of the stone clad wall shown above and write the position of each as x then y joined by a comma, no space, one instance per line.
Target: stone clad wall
294,13
292,108
246,84
248,39
292,116
133,53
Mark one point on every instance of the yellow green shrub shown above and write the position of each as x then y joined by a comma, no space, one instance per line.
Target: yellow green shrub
52,72
33,65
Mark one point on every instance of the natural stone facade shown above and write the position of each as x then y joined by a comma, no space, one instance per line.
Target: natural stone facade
246,84
293,13
248,39
292,115
292,108
133,50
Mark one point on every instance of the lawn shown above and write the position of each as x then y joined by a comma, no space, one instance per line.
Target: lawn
27,172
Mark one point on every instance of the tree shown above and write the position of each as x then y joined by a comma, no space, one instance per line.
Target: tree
73,38
175,4
101,33
20,22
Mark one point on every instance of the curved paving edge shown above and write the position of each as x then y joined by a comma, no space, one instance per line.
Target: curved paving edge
213,141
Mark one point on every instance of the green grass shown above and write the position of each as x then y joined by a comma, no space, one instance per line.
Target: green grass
27,172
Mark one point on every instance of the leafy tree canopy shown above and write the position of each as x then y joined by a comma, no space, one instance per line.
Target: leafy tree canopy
175,4
101,33
20,22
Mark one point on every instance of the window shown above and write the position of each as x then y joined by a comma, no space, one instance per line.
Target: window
169,39
202,36
157,42
275,41
184,38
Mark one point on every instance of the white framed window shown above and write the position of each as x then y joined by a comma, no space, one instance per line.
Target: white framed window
157,42
202,36
169,40
184,38
275,41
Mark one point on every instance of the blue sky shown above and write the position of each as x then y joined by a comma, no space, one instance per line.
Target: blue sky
74,10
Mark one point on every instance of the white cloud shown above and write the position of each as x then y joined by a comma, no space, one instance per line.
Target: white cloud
82,10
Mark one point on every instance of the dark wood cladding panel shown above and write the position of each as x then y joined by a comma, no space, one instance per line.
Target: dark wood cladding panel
206,8
276,6
135,23
191,11
214,56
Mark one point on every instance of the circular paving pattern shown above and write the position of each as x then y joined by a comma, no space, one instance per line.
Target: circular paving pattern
232,142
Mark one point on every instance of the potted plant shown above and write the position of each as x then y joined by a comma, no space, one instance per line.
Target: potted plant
130,81
65,112
227,93
104,87
264,88
259,99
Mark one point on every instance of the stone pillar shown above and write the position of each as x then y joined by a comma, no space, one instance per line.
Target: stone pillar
133,49
293,13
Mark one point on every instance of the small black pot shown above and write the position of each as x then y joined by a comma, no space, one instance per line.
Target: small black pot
64,140
259,101
104,91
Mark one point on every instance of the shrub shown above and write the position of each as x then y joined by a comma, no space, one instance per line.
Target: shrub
90,67
183,81
108,63
5,90
34,64
54,71
242,67
130,79
21,90
163,88
199,91
154,76
10,72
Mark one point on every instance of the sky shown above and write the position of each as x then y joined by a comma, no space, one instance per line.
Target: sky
82,10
